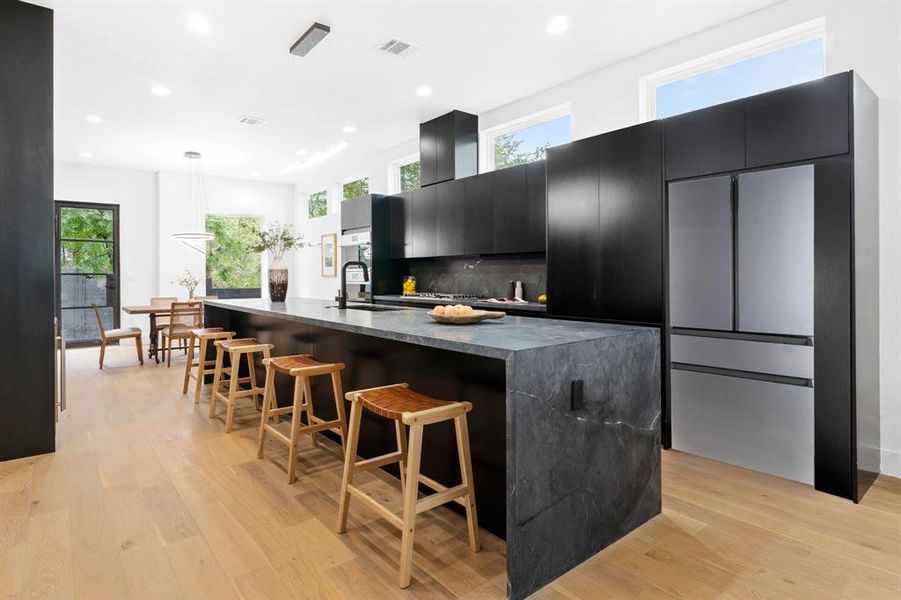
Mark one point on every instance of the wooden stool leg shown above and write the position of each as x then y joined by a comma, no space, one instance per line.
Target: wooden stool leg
402,448
252,372
350,461
232,391
267,405
140,349
201,369
301,385
309,404
339,408
102,352
472,521
217,380
184,387
410,495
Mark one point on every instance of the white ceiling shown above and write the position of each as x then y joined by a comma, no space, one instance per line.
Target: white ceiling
475,55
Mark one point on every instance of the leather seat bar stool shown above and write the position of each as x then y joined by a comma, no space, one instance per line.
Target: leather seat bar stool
201,337
408,407
246,347
301,367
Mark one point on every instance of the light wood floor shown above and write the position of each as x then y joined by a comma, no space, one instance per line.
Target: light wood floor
147,498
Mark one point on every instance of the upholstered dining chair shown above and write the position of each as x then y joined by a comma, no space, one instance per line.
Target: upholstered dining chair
114,335
183,317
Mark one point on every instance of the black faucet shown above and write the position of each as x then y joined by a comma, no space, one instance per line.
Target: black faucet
342,293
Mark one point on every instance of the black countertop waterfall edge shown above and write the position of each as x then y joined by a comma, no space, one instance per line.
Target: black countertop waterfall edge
535,307
580,473
496,338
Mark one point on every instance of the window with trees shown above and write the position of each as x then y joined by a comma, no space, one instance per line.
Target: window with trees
232,269
318,204
408,176
525,140
355,188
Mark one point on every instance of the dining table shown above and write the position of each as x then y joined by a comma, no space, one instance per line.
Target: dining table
154,311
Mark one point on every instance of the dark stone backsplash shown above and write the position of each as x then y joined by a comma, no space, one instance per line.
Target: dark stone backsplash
486,277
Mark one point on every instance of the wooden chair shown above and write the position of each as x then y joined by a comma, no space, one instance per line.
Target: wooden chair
161,322
122,333
407,407
301,367
183,317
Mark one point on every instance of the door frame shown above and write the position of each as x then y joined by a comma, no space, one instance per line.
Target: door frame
57,243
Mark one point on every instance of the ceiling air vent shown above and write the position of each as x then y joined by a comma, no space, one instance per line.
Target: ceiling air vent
252,121
398,48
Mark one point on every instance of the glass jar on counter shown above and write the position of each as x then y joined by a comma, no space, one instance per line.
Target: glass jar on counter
409,285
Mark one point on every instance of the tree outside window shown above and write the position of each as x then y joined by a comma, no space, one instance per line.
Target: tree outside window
232,270
87,256
318,205
530,143
359,187
409,176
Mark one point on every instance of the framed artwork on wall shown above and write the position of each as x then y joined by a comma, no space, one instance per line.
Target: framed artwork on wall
329,255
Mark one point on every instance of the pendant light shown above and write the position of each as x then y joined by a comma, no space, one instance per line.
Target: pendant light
195,206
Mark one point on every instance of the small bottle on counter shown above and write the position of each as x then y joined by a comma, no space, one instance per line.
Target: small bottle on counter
518,293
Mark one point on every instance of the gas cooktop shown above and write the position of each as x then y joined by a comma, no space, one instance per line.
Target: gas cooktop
443,296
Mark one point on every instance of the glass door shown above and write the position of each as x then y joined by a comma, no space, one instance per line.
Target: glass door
87,269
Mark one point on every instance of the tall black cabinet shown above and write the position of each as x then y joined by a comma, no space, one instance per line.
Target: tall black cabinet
448,147
26,230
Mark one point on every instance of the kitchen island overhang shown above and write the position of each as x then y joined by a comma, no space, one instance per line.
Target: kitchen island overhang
560,475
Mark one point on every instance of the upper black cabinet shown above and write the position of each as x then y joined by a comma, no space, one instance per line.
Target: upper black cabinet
478,214
509,208
573,230
804,121
448,147
534,238
449,221
424,230
356,212
400,225
631,224
705,141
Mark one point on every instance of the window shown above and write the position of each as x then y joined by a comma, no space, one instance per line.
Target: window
403,174
525,140
232,271
318,204
409,176
782,59
358,187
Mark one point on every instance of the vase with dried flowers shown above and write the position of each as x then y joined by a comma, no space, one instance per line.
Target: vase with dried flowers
277,240
188,281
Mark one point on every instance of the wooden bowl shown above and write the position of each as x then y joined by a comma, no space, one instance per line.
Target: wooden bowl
474,317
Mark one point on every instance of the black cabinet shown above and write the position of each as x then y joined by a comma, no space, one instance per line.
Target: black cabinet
400,225
424,224
449,222
804,121
631,225
534,238
448,147
356,213
509,222
573,230
478,214
705,141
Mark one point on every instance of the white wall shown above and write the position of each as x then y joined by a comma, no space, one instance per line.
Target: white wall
135,193
151,207
863,36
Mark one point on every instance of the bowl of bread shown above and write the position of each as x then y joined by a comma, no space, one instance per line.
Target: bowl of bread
461,314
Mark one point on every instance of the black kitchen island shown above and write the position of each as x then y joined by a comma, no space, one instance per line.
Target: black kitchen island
565,426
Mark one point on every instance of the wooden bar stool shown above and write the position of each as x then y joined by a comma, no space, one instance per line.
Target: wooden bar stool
301,367
245,347
408,407
201,336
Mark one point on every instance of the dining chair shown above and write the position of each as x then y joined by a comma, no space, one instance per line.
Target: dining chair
162,322
183,317
114,335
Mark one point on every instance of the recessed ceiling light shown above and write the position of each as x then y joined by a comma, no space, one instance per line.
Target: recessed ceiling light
85,154
160,90
94,119
303,152
558,24
198,24
348,129
423,91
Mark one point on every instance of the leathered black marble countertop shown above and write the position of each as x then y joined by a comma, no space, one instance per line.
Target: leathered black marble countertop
502,306
496,338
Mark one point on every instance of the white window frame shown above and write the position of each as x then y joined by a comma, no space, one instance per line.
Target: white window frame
489,135
394,171
647,85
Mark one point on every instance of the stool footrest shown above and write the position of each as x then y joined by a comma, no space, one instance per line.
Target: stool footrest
320,426
378,461
376,506
281,436
277,412
439,498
